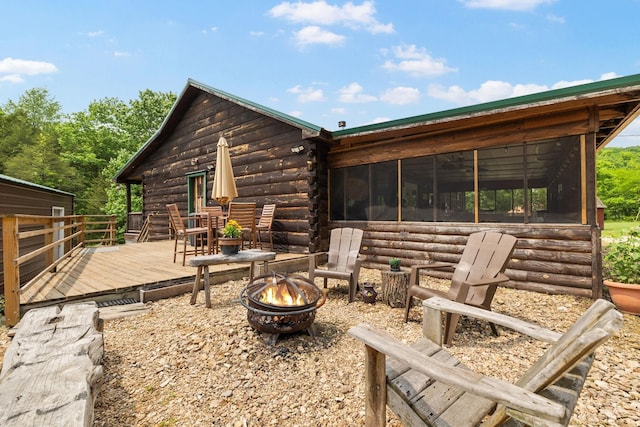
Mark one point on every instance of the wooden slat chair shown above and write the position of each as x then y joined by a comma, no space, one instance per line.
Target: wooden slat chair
215,216
425,385
475,278
245,215
264,224
344,259
184,233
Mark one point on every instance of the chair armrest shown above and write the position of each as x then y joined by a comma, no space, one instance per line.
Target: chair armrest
313,259
500,278
490,388
526,328
433,265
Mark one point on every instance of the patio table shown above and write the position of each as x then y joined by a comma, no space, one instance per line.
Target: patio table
204,261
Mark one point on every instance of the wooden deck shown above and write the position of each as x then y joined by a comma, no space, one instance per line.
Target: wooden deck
109,270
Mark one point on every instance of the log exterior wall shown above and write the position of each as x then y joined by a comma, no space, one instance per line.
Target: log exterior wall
21,198
547,258
265,168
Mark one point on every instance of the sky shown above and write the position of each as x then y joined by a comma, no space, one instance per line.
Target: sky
361,62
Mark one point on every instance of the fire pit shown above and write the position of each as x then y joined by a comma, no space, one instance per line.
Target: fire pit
279,304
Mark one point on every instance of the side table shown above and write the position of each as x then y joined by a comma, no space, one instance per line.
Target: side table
394,287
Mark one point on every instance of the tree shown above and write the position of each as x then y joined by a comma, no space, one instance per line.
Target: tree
618,181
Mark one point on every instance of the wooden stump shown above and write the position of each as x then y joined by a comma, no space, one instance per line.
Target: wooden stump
394,287
52,370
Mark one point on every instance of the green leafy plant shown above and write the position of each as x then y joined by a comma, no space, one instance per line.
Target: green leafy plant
232,229
394,263
622,259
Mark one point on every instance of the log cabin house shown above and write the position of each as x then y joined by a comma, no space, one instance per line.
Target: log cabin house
417,186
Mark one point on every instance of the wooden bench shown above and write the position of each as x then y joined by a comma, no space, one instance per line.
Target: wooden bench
204,261
52,370
425,385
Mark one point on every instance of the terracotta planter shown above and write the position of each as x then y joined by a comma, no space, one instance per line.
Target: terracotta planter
625,296
229,245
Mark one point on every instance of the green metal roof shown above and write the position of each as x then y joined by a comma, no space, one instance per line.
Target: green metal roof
13,180
520,101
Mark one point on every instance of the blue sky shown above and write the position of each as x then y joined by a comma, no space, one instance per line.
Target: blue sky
322,61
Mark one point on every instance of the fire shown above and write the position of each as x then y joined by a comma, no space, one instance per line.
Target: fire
280,294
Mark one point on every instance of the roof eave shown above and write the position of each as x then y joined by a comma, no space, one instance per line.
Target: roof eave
556,96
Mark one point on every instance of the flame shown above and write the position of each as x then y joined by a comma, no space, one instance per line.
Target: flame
279,294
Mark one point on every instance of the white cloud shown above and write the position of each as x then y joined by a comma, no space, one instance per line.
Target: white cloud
95,33
316,35
12,70
555,19
12,78
309,94
376,120
295,113
338,110
517,5
256,33
492,90
353,94
417,62
320,13
401,95
121,54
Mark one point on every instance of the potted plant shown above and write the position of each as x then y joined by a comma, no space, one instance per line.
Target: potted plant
394,263
231,238
622,270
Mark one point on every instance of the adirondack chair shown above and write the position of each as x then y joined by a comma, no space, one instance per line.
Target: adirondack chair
475,279
425,385
344,259
183,233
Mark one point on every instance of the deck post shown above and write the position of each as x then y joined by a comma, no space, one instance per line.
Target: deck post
11,270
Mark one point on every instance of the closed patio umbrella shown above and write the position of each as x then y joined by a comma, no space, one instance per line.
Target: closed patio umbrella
224,184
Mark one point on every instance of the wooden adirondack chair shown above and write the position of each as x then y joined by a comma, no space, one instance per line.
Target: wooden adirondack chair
425,385
475,279
344,259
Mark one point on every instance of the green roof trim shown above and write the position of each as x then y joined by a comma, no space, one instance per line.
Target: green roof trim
13,180
256,107
556,94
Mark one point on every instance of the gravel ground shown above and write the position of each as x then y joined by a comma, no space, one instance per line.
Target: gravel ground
184,365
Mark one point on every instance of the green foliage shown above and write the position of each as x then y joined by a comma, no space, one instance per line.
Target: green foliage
618,182
82,152
622,258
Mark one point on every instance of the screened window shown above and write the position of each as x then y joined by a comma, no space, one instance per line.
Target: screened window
517,183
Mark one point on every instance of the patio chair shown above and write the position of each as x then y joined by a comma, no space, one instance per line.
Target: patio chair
214,219
475,278
183,232
425,385
264,224
344,259
245,215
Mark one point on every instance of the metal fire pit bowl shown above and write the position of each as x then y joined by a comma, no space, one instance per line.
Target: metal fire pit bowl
281,319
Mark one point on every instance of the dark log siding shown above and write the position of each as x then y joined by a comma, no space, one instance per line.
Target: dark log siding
29,200
547,258
266,170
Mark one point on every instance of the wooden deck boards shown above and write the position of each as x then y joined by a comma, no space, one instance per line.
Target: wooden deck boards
110,269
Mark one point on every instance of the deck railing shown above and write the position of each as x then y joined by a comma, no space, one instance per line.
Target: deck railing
60,237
